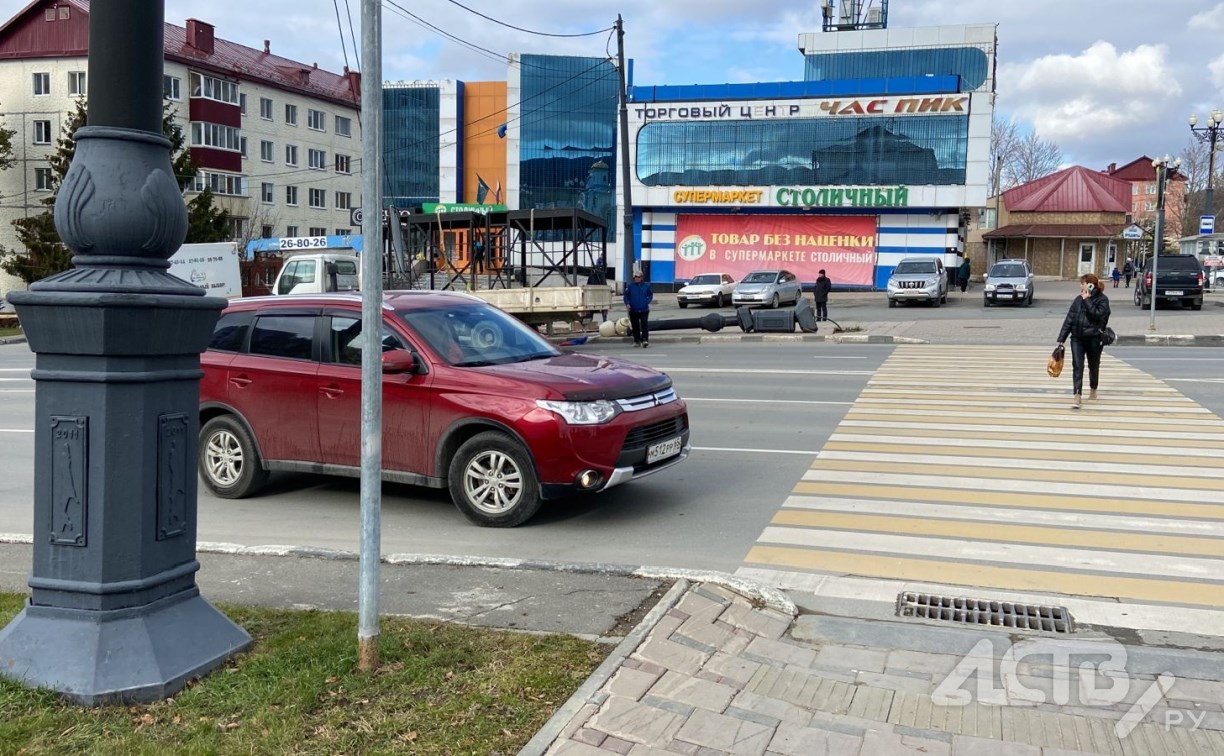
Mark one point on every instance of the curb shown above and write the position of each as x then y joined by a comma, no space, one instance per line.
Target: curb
12,340
749,589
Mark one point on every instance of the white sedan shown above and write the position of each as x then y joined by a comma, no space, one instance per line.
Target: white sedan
707,288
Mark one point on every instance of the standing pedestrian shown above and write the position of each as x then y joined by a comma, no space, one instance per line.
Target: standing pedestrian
964,274
1085,322
1117,276
1128,270
821,295
638,297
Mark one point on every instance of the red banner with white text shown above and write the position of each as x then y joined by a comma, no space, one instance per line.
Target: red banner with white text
844,246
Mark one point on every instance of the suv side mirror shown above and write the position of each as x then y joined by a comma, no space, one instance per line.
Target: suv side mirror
395,361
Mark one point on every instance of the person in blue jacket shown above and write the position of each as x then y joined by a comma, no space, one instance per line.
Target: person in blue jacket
638,297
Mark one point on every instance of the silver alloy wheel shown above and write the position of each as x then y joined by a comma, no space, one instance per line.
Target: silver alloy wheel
223,458
493,482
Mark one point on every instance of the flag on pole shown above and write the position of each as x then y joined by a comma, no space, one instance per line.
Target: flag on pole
482,190
497,193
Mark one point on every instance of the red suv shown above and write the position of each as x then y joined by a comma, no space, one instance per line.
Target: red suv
473,400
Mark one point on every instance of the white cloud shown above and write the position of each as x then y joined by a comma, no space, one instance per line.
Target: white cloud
1100,90
1216,67
1208,20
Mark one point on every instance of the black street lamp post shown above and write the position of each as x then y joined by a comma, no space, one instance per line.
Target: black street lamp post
114,613
1208,133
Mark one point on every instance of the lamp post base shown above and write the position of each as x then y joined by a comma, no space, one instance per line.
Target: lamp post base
137,655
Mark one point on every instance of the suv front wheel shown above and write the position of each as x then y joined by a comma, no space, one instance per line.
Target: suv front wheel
229,463
492,481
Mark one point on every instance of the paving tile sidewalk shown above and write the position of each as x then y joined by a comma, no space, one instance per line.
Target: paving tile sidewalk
713,672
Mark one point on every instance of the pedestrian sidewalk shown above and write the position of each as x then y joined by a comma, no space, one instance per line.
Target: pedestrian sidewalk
711,671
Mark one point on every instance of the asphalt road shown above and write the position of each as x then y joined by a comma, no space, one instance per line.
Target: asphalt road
760,412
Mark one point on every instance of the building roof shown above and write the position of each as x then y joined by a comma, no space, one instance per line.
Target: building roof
230,59
1072,190
1140,169
1057,231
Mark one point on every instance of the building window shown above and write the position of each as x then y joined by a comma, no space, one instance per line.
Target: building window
242,142
343,231
42,132
342,164
1151,189
76,83
242,104
238,228
1149,206
215,135
344,200
316,120
291,115
265,232
317,231
317,158
172,88
64,12
265,108
318,199
291,154
42,83
291,231
344,126
226,184
212,88
42,179
266,191
265,151
1134,188
291,198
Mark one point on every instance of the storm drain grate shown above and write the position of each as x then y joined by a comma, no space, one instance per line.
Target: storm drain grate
967,611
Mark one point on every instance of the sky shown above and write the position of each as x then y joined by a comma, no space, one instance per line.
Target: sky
1105,80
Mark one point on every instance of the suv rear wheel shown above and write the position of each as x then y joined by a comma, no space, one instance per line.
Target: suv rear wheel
492,481
229,463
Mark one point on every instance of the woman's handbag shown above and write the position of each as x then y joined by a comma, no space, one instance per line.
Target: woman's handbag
1108,336
1055,363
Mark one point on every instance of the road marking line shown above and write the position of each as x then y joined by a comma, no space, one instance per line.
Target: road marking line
1153,477
691,399
990,576
1011,463
1009,533
739,371
1087,452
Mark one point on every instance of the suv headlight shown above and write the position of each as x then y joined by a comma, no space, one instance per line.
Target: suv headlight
582,413
933,283
990,287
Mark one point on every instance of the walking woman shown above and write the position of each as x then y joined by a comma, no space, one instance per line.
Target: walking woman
1086,320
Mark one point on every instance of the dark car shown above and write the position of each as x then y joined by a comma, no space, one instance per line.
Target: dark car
1179,278
473,401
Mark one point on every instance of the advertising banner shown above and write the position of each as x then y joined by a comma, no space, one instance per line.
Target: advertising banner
737,244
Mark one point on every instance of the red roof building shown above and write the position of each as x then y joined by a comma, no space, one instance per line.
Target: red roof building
276,140
1141,175
1065,224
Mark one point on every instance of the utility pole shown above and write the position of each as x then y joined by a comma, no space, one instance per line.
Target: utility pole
371,334
628,250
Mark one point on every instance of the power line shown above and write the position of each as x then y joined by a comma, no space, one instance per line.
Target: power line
527,31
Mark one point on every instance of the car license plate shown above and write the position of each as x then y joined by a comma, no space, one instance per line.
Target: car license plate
662,450
1004,295
1174,293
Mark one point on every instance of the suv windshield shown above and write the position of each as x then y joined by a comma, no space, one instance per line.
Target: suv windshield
706,280
1176,262
1008,270
910,267
761,277
475,334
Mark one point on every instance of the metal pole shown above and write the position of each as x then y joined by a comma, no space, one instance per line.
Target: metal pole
371,335
1209,196
628,250
1158,241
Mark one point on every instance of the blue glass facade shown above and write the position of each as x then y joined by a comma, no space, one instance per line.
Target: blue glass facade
567,135
910,150
411,145
971,64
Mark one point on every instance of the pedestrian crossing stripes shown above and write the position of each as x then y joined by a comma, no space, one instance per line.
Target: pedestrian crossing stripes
965,470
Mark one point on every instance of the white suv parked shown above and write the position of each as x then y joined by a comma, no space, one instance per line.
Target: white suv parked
918,279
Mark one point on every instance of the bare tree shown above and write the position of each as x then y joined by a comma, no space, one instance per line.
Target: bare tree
253,214
1033,158
1194,167
1003,141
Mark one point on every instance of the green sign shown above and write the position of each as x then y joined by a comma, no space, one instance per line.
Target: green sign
843,196
461,207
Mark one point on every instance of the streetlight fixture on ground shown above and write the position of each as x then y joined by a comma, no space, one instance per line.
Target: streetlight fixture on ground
1208,133
1162,166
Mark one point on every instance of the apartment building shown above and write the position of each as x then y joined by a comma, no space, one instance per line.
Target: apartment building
277,141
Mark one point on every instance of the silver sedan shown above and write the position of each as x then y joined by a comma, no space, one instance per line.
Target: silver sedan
768,288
